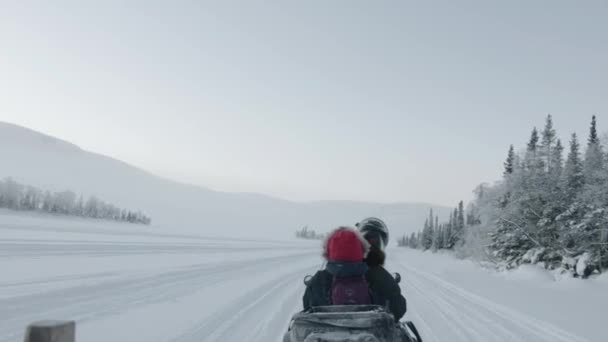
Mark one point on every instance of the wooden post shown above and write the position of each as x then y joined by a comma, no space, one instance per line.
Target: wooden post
51,331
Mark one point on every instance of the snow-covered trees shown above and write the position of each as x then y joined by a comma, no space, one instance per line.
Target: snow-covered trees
436,236
306,233
544,209
510,162
16,196
552,212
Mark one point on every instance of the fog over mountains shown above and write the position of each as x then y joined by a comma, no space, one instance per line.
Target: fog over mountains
52,164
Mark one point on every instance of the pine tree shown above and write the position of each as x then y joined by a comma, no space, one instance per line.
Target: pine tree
427,235
454,234
594,159
413,241
440,242
533,161
533,143
470,218
557,161
447,235
509,163
593,137
436,222
573,170
460,219
547,144
590,231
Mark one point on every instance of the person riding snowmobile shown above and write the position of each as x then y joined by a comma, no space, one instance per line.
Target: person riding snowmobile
345,250
375,231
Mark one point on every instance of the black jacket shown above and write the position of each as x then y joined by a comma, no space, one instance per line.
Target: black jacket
384,290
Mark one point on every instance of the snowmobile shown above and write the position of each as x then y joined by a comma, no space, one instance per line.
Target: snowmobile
349,323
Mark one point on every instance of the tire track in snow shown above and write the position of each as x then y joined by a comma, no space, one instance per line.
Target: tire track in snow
275,328
467,323
467,309
88,302
428,334
20,249
287,301
228,322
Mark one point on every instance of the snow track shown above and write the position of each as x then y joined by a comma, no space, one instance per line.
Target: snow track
26,248
447,312
186,289
88,302
250,312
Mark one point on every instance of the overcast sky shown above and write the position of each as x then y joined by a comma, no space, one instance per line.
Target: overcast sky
361,100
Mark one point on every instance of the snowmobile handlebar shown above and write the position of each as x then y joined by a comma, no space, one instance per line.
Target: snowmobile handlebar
307,280
397,277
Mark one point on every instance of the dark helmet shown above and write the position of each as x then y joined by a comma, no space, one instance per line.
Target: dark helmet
375,231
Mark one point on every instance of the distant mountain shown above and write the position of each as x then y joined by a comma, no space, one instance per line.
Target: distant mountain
37,159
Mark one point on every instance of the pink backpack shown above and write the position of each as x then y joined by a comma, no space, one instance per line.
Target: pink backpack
350,291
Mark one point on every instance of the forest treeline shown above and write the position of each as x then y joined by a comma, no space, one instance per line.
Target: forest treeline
550,207
16,196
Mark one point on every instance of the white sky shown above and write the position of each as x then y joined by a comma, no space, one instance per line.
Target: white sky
377,101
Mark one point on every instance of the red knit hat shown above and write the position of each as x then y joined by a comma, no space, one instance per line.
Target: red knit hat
346,245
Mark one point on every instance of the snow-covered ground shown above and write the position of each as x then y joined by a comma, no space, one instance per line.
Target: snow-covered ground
130,283
456,300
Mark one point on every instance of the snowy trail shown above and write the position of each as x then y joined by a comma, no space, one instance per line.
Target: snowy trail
88,302
252,313
459,315
183,289
25,248
99,280
445,310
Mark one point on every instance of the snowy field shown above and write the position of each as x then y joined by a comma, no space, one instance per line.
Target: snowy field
129,283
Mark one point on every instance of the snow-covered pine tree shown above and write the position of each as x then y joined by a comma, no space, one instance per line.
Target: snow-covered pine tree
573,180
509,163
435,238
557,161
412,242
573,177
595,198
447,233
549,136
549,194
593,166
519,210
459,219
429,238
428,233
454,229
436,222
440,243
